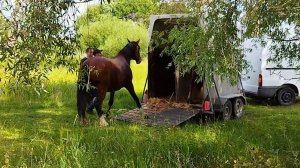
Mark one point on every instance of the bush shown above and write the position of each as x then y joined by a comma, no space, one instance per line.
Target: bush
136,10
110,34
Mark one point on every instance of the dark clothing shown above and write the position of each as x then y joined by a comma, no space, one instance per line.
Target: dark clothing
82,60
92,105
93,91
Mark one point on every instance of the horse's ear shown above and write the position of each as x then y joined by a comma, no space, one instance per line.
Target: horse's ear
128,41
138,41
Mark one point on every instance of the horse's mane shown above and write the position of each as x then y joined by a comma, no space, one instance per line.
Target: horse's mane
127,51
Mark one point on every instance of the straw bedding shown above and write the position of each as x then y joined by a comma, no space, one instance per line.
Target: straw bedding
159,104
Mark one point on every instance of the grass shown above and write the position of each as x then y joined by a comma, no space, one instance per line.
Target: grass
38,131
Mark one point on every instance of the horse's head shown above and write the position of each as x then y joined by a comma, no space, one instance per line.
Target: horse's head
135,51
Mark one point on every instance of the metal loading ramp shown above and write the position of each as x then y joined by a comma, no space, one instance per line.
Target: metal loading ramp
168,117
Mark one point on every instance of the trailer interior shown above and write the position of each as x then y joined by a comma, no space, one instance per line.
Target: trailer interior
164,80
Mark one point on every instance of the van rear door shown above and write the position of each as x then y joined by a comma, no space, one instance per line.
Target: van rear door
250,78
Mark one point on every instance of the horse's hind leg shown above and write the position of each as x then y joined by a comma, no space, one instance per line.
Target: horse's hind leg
110,102
130,89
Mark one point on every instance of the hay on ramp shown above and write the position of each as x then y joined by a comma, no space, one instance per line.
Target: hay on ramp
159,104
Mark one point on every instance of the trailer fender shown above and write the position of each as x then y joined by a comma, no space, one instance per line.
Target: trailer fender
232,97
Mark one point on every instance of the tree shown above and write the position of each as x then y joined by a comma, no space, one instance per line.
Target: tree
279,20
210,43
41,36
134,9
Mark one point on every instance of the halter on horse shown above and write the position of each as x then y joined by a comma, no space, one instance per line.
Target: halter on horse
107,75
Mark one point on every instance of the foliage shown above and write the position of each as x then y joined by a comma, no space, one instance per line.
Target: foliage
278,20
107,26
41,36
4,28
210,42
207,42
134,9
39,132
172,8
137,10
110,34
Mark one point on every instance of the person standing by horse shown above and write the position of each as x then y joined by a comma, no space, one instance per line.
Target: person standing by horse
89,53
93,90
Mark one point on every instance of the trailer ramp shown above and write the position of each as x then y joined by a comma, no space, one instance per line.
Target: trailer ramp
168,117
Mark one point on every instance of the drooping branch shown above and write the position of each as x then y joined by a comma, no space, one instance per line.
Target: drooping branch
286,40
85,1
41,37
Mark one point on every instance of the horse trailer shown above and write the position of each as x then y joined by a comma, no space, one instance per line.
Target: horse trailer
164,82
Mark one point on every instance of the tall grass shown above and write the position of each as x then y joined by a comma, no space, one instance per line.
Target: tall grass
38,131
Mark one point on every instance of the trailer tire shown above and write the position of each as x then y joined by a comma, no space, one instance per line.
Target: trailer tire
286,96
227,111
238,108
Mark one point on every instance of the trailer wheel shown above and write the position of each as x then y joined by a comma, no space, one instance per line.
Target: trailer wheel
238,108
227,111
286,96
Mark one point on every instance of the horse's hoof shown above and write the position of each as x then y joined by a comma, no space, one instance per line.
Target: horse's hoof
102,121
83,123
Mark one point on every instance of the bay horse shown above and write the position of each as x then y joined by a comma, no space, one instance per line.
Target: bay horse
106,75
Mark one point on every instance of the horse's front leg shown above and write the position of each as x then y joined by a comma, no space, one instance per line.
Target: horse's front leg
130,89
101,97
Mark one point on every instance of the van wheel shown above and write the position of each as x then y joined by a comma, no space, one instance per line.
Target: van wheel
238,108
227,111
286,96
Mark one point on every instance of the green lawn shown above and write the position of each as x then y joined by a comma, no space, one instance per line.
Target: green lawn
38,131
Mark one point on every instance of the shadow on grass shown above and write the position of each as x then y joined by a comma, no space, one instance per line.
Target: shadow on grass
265,102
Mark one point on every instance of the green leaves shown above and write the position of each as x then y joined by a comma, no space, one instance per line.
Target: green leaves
208,43
41,37
278,20
211,41
110,34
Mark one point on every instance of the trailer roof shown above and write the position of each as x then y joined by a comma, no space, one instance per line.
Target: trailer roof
162,19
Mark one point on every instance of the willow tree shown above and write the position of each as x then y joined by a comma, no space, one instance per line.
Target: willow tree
39,36
211,42
279,21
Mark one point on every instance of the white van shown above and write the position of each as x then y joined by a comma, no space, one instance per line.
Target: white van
265,79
